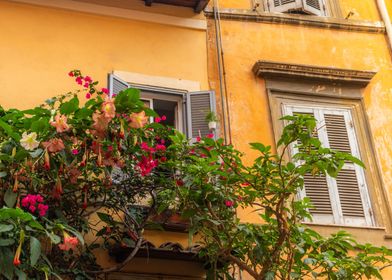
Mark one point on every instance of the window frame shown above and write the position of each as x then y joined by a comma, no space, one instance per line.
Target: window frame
331,8
339,96
319,111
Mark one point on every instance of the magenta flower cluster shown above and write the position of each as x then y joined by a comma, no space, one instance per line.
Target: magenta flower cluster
34,204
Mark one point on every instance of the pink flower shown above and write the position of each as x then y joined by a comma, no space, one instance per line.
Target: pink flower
32,208
198,138
54,145
160,147
88,79
88,95
69,243
144,146
79,80
60,123
105,90
210,135
42,208
146,165
157,119
229,203
86,85
163,118
75,152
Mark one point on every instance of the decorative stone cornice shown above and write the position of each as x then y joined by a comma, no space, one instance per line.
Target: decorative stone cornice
267,69
306,20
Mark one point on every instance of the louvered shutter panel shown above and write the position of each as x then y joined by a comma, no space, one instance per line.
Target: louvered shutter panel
314,7
316,187
351,185
116,85
283,6
198,105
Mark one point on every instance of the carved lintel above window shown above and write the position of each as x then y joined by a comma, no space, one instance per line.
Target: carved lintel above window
267,69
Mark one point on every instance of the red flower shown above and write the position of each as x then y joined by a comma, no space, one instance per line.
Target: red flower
105,90
179,182
71,74
86,85
75,152
163,118
198,138
146,165
158,119
229,203
210,135
88,95
88,79
160,147
79,80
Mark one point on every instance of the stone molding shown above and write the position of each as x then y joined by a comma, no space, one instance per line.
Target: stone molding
304,20
263,68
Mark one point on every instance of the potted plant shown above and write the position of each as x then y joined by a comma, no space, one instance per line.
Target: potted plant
212,119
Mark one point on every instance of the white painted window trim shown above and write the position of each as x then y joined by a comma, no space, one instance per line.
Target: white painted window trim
338,218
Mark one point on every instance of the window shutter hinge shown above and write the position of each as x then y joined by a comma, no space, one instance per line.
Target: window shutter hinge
370,212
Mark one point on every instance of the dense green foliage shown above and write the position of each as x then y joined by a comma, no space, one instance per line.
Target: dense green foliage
64,163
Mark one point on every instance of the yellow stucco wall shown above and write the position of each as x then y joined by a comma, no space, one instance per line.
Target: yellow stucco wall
40,45
364,9
244,43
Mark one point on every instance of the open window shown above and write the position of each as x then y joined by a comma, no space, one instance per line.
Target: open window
311,7
185,111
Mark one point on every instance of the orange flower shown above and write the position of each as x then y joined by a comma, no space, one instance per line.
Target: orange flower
19,249
108,108
69,243
60,123
47,160
138,120
100,124
54,145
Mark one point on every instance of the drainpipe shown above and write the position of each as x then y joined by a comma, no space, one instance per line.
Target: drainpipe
386,19
222,76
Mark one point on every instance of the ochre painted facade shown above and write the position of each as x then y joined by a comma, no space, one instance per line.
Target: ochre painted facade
246,42
41,44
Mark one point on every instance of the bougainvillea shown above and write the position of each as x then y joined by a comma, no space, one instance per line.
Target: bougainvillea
66,160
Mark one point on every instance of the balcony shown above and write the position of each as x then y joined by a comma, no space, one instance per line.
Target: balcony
197,5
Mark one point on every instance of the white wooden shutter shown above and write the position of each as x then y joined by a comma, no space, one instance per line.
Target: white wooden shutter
116,84
342,200
198,105
314,7
351,183
283,6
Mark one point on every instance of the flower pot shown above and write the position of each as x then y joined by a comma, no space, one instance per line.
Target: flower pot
212,125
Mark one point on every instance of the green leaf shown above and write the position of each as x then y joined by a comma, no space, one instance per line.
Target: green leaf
10,198
70,106
35,250
21,275
105,217
5,228
3,174
6,242
40,125
36,153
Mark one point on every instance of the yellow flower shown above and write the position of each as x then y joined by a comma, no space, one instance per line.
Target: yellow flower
29,141
138,120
